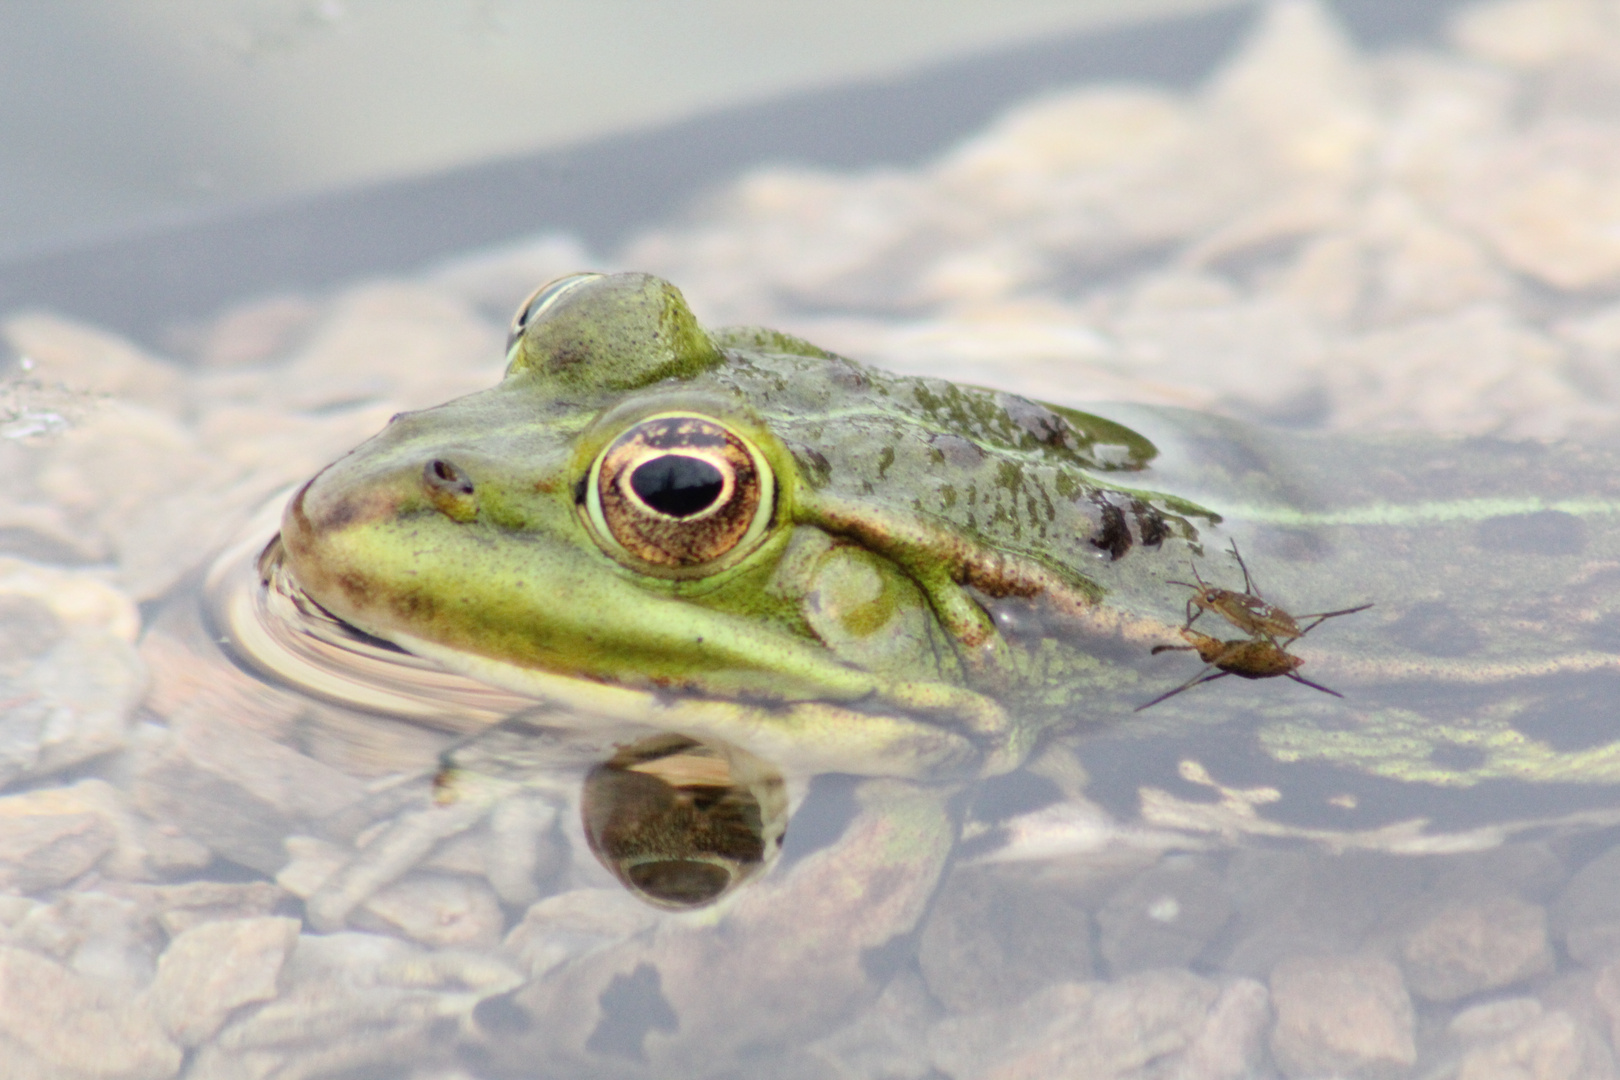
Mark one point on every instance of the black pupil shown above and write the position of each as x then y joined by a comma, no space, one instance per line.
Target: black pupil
677,485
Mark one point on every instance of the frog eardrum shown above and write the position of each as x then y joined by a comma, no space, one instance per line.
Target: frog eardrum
677,493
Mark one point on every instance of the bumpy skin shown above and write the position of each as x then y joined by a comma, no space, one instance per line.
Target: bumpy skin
943,572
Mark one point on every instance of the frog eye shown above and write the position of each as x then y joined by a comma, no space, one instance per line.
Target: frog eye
542,298
677,492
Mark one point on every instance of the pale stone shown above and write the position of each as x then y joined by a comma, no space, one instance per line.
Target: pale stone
1232,1041
49,837
215,967
443,910
1553,1047
1014,164
91,359
712,978
993,939
1546,204
1477,372
1605,994
139,480
257,332
1421,265
1084,1031
523,849
1586,915
70,678
1292,902
1532,33
573,923
394,342
889,1040
1446,116
80,600
1163,918
58,1024
179,908
1470,946
498,279
1345,1014
238,792
1491,1019
81,696
356,1004
1300,83
102,936
1266,354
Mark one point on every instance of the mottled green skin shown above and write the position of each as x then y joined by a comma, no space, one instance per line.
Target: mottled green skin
943,555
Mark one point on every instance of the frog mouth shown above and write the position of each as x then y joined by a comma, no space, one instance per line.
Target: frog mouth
270,627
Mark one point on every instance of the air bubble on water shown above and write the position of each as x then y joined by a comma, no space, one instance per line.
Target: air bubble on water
1165,909
31,425
31,409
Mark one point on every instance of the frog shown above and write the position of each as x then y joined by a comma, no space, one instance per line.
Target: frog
736,534
740,535
934,592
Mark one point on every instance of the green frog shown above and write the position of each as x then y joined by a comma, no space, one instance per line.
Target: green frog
735,534
787,559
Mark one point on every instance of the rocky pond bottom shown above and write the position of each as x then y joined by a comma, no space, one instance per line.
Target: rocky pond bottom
205,875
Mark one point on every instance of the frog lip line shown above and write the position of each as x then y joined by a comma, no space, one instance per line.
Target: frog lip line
1401,514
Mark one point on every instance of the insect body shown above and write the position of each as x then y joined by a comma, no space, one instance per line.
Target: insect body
1250,658
1263,654
1248,611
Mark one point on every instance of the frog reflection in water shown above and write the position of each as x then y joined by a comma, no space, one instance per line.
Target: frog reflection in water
736,537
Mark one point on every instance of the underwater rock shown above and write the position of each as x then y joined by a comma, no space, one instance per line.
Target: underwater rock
573,923
356,1003
1084,1031
1468,947
58,1025
1162,918
1341,1015
1553,1047
209,971
993,938
235,791
1586,915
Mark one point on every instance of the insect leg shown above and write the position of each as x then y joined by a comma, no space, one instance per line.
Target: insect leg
1323,616
1248,584
1157,649
1209,674
1297,677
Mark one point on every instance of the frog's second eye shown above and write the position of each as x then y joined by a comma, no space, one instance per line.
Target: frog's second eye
678,493
542,298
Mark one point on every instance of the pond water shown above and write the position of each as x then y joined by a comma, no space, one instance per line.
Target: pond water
1366,309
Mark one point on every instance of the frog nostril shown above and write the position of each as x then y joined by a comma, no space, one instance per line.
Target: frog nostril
677,485
448,475
450,490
